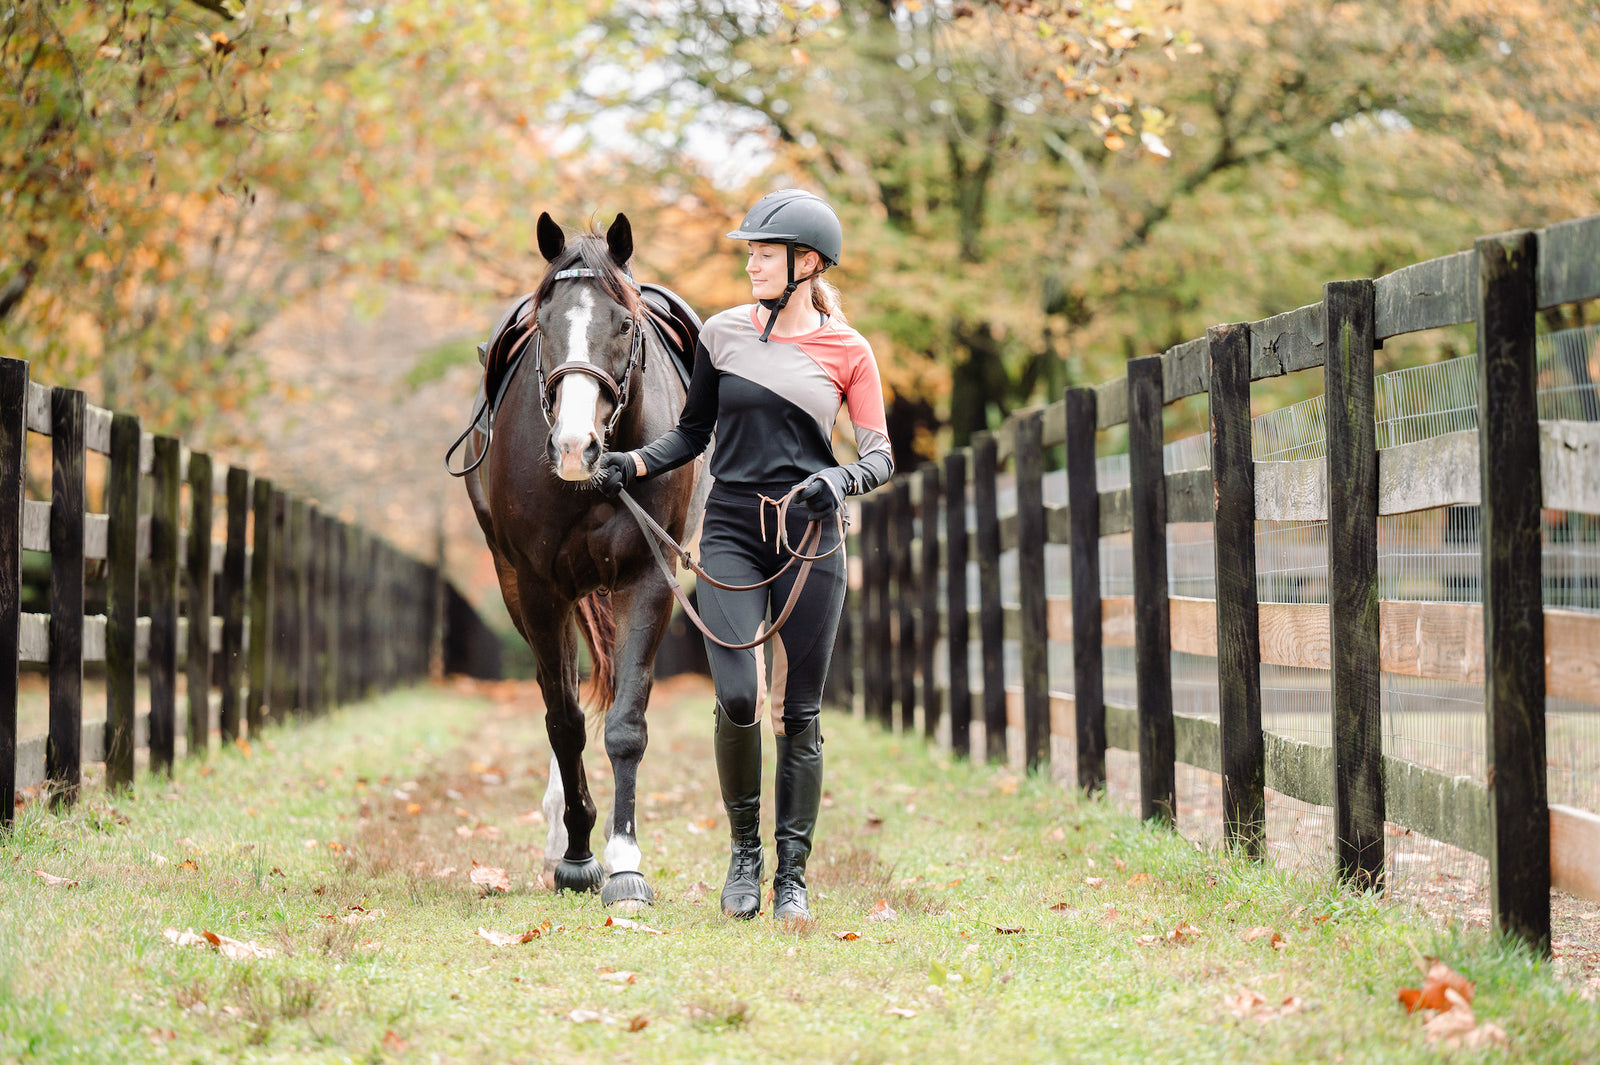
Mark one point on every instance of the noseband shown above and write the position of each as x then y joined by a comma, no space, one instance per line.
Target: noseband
616,391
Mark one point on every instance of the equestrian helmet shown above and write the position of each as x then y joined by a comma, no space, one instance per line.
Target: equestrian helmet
797,217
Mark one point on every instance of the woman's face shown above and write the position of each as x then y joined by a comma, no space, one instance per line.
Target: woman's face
768,267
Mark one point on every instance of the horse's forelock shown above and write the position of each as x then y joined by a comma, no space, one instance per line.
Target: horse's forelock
590,251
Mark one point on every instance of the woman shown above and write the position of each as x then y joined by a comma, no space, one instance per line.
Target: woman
769,379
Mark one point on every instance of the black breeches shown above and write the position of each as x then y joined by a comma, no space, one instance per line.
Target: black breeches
733,550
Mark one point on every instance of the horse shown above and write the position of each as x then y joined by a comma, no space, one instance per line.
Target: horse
567,556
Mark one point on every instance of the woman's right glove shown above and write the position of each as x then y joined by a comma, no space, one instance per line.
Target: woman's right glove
615,471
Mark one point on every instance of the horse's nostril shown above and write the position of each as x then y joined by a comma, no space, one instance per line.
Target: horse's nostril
591,454
553,451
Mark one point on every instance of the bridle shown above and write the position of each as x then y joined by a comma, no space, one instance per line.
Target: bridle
615,390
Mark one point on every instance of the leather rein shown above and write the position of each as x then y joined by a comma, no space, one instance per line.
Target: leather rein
656,538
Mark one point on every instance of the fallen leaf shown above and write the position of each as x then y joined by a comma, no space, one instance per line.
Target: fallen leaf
1120,864
882,911
54,881
621,976
235,949
901,1011
1058,834
1061,907
1439,980
1096,882
1249,1004
1457,1026
584,1017
638,1023
1138,878
629,925
1110,914
848,937
1184,933
490,878
413,808
1147,940
189,864
1008,930
1273,936
393,1043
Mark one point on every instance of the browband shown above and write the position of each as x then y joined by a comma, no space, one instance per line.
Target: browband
584,271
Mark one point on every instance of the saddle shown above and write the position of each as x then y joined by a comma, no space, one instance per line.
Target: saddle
671,319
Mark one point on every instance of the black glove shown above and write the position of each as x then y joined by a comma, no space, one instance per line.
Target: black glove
819,497
615,471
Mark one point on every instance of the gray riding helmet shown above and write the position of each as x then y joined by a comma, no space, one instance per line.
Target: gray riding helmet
794,217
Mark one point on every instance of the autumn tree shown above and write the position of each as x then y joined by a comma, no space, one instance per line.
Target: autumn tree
1034,192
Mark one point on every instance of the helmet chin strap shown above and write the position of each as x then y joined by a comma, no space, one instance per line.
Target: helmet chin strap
776,306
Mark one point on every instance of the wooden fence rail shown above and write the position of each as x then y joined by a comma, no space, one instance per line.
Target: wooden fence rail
1519,650
290,613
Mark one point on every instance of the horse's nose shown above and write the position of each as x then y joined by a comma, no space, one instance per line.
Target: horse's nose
576,454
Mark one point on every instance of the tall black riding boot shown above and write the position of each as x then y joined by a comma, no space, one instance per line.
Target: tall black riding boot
739,772
799,796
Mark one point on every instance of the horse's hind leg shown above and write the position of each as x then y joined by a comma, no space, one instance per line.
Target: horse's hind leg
553,644
642,612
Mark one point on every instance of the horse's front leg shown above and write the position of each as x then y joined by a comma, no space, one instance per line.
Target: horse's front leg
642,613
550,634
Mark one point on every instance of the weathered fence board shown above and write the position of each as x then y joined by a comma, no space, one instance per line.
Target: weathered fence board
13,443
1158,790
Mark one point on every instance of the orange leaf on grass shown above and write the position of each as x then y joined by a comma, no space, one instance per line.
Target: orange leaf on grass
848,937
882,911
1184,933
507,939
1432,995
1095,882
631,926
54,881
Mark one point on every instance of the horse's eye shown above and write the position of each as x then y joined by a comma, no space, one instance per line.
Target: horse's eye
627,324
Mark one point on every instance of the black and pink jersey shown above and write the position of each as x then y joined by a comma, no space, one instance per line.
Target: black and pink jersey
772,406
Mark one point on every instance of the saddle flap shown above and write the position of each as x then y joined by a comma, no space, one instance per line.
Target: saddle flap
675,323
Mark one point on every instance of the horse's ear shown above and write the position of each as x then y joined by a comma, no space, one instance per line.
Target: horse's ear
619,238
551,240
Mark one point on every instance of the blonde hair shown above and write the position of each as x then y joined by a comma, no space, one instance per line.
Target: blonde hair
825,298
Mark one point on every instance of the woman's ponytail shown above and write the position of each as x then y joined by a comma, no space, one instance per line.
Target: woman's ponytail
825,298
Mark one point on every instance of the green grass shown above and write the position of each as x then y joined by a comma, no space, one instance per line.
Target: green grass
425,780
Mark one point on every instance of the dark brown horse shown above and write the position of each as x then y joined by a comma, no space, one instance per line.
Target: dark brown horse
593,378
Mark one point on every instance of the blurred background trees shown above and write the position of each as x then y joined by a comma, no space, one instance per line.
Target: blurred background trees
278,226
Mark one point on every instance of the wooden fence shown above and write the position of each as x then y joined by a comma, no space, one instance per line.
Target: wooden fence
912,631
291,613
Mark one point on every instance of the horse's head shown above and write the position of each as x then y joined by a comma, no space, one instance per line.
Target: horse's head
589,341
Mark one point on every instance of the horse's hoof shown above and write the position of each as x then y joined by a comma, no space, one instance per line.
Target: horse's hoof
580,876
629,892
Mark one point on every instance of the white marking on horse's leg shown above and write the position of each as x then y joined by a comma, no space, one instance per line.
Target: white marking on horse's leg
555,808
577,396
622,853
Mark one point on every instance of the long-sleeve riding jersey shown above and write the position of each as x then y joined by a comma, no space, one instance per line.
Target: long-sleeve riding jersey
772,406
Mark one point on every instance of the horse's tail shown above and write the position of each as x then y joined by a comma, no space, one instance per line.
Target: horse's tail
599,627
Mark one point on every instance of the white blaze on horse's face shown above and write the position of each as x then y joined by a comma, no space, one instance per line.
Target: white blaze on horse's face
577,397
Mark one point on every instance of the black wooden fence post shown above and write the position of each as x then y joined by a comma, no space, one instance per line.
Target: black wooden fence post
874,608
1513,608
63,752
906,599
1029,466
1151,610
1083,509
122,599
232,605
991,620
165,479
197,591
1243,760
262,630
13,469
928,573
1358,797
281,701
956,620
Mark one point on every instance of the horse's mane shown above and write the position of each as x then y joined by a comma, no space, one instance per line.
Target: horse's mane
589,250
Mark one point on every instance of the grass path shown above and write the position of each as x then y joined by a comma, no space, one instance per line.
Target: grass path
1031,926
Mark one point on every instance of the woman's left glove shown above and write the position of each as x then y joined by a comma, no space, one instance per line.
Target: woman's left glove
820,495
